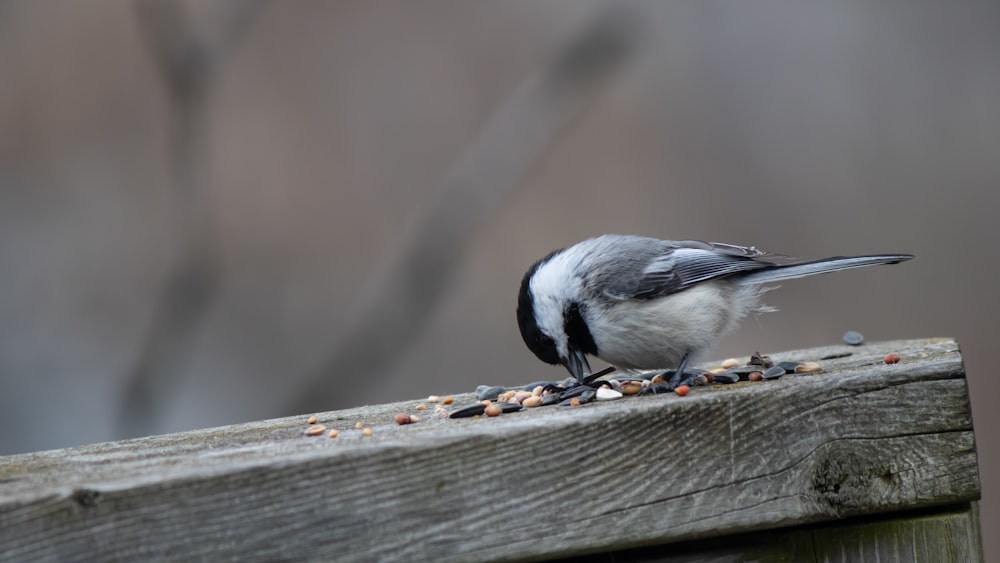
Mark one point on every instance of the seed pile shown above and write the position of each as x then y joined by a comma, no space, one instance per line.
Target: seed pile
495,400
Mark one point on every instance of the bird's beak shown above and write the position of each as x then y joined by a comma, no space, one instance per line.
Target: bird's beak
577,365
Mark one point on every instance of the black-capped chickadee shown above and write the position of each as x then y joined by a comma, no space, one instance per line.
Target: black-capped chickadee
644,303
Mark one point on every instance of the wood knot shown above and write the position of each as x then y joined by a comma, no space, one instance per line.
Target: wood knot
87,498
849,481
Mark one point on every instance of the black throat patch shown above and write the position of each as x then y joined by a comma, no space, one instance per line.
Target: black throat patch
577,330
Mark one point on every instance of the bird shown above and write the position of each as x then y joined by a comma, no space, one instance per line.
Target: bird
641,303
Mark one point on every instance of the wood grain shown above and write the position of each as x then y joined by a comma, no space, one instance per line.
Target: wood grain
946,535
860,437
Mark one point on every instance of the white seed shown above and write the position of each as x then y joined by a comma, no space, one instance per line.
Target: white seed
605,394
807,367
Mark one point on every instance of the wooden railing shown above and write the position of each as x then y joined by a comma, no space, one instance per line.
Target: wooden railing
858,461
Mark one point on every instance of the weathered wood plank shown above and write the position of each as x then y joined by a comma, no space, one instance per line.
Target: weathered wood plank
861,437
948,535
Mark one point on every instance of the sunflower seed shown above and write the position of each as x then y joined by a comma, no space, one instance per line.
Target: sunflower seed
471,410
743,372
727,377
774,372
487,393
509,407
789,367
575,392
853,338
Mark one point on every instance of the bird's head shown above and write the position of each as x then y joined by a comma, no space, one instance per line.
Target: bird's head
551,318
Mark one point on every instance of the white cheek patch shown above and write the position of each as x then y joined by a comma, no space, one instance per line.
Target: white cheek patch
553,286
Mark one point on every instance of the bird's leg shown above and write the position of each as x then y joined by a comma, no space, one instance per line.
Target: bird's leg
679,378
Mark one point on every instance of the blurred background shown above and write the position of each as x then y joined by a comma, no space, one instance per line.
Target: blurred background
216,212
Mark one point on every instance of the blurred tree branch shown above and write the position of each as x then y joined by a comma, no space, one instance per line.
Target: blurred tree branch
518,133
189,63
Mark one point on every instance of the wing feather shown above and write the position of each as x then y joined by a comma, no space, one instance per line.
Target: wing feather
679,265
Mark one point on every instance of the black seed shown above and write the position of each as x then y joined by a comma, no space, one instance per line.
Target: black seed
509,407
776,372
487,393
598,374
542,384
626,377
743,371
550,399
853,338
568,383
575,392
727,377
471,410
789,367
648,375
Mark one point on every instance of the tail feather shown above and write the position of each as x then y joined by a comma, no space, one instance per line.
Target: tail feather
803,269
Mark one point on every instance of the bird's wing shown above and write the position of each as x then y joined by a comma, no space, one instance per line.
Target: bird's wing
683,264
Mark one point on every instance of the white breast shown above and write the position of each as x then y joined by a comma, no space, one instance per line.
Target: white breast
656,334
